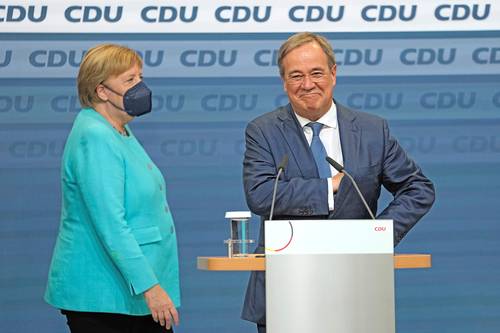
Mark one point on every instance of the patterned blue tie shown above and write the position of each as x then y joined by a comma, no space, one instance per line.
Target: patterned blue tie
319,151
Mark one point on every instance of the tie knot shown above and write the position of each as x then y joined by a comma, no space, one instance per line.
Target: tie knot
316,127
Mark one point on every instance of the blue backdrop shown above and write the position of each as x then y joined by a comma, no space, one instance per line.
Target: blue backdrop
439,90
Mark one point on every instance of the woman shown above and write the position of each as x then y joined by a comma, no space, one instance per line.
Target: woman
115,266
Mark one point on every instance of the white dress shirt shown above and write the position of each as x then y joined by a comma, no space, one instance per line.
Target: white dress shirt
330,137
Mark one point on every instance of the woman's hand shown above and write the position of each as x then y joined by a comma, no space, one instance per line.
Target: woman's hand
161,306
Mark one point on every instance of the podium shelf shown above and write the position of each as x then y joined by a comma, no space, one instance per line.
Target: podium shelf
401,261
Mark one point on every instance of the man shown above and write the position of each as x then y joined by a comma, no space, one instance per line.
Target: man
311,127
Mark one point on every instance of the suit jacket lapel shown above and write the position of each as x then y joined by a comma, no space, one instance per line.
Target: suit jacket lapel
297,143
349,137
350,143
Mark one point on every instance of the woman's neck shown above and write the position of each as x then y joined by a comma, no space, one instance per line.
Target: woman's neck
113,118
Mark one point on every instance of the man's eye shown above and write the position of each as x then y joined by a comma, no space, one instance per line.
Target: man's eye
297,77
317,75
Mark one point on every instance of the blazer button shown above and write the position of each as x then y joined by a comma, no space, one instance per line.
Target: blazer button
167,209
150,167
171,229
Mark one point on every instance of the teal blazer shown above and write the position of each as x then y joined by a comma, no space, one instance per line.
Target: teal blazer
116,236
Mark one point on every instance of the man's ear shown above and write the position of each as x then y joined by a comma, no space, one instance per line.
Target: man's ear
334,74
284,85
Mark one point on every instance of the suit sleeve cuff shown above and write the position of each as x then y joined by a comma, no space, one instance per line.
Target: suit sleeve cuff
141,276
330,195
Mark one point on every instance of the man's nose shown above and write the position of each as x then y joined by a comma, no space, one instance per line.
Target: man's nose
307,83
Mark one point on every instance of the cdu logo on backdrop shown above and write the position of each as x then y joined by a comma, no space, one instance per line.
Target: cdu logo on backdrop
428,56
448,100
461,12
190,147
356,57
21,104
486,55
56,58
316,13
229,102
169,103
35,14
73,58
266,58
162,14
5,58
240,14
386,13
47,150
208,58
375,101
92,14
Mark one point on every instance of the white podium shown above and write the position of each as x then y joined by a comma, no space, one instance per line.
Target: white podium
330,276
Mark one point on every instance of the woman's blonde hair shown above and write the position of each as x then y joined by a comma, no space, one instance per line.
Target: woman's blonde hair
100,63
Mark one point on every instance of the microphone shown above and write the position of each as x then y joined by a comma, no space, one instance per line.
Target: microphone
281,168
340,168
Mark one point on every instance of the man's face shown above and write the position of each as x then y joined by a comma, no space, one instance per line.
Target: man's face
308,81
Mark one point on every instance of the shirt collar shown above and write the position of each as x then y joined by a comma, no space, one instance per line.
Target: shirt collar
329,119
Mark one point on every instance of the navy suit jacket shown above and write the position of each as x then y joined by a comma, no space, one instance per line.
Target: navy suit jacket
371,155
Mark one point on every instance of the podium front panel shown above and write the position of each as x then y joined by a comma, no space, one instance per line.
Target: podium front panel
330,276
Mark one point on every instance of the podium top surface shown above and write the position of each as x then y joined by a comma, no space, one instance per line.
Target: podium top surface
401,261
